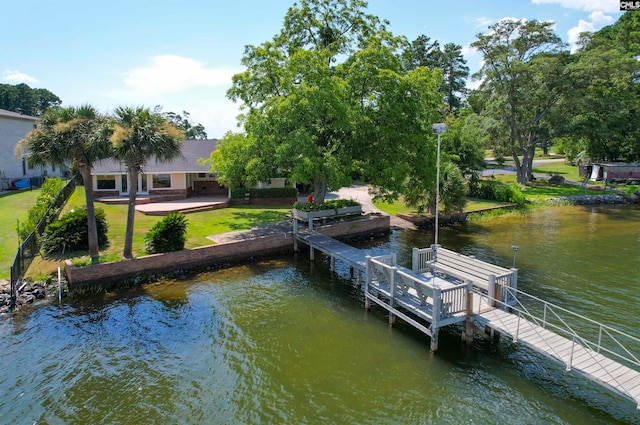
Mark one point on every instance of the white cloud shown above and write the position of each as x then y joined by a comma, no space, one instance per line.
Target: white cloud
574,33
18,77
596,17
170,73
585,5
599,16
483,22
473,58
181,84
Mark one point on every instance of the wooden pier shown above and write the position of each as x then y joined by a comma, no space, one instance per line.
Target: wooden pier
444,287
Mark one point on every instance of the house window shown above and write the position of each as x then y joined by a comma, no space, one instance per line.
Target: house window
202,175
161,181
106,182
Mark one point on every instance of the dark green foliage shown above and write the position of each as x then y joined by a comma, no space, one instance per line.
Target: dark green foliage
496,191
46,198
274,192
22,98
169,234
453,188
328,205
69,233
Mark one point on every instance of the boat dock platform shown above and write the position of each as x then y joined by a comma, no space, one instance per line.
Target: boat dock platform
444,287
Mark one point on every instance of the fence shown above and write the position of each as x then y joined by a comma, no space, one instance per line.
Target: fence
29,248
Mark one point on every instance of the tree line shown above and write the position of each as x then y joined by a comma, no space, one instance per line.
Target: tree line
23,99
336,96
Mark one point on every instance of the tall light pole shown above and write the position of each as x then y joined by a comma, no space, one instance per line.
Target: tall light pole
438,129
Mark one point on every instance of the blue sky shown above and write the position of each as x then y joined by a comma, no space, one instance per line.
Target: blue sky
181,55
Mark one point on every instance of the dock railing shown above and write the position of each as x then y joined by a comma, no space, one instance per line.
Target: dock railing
594,337
445,301
491,279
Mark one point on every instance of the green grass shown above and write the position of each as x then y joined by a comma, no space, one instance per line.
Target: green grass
13,206
569,172
394,207
399,207
201,225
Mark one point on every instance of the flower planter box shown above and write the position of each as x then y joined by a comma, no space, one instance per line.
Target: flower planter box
306,215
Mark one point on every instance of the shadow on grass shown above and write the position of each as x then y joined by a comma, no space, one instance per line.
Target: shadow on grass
543,188
242,220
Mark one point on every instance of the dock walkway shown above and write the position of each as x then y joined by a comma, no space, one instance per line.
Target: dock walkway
463,289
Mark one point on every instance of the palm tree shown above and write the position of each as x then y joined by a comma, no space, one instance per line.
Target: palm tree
138,134
70,135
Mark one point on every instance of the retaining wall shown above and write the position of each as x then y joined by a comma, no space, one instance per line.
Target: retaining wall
202,257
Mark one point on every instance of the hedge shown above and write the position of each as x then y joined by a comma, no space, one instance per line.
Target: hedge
274,192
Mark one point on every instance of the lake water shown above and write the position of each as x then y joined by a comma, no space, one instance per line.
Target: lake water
284,341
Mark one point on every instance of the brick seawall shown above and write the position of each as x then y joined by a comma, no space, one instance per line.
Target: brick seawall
206,256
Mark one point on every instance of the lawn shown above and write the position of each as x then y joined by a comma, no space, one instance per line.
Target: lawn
13,207
569,172
399,207
201,225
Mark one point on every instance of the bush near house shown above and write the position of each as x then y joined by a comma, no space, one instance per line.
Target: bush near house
274,192
169,234
69,233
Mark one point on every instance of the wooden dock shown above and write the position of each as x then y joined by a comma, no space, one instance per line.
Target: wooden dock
576,353
445,288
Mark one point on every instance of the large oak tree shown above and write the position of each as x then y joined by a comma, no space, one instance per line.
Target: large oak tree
522,80
329,97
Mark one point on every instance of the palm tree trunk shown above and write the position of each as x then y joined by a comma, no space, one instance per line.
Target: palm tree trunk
92,229
131,211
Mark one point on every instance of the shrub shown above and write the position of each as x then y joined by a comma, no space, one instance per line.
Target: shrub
328,205
496,191
48,193
453,190
169,234
70,232
273,192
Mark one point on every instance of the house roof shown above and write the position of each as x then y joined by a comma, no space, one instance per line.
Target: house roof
17,115
187,162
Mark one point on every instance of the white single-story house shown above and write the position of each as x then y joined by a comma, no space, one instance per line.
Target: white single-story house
181,178
13,128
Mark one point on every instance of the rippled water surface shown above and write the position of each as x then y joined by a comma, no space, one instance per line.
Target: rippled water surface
285,341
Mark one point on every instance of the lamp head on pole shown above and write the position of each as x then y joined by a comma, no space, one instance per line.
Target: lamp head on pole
439,128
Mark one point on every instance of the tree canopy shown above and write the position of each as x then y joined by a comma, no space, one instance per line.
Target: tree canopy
599,115
71,135
329,97
424,52
191,131
23,99
137,135
522,79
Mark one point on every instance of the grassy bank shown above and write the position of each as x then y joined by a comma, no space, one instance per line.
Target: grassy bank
201,225
13,207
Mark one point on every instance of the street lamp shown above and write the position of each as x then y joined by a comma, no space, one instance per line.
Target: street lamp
438,129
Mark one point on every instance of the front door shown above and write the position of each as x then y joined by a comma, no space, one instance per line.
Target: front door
142,184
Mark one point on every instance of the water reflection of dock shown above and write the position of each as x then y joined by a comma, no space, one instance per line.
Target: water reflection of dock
445,288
